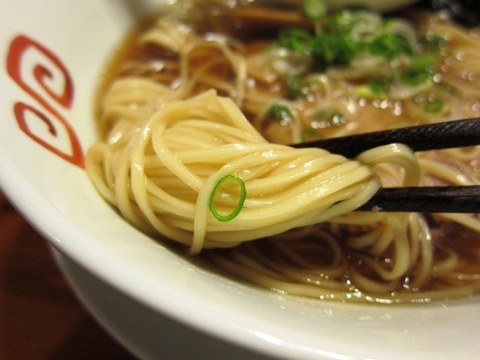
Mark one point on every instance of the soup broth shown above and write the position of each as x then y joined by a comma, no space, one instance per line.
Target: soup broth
296,79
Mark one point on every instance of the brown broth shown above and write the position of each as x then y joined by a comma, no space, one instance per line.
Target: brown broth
446,236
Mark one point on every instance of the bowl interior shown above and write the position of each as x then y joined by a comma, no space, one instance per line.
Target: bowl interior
53,53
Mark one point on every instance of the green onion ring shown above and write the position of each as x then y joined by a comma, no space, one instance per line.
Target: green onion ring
243,195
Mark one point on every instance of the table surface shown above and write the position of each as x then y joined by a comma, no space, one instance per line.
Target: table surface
40,318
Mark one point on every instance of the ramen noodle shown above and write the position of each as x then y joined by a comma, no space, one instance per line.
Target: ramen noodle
201,102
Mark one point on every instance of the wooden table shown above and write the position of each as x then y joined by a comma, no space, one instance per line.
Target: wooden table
40,318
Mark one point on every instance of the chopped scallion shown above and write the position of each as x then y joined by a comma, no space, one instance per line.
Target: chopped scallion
390,46
414,77
314,9
309,133
297,87
373,90
330,117
353,38
295,39
433,106
434,42
241,201
280,112
334,49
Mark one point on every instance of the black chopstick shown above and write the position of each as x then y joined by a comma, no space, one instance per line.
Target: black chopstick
450,134
435,199
447,199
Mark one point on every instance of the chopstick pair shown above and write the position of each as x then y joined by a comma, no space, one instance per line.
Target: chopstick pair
438,199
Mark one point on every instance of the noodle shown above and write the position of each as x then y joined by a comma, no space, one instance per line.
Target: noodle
161,180
195,122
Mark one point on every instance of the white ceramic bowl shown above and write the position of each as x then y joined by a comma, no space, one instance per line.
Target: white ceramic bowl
159,304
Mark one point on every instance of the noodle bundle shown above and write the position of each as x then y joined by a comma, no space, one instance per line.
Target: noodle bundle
196,114
162,178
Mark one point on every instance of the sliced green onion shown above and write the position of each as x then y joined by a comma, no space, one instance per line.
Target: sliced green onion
280,112
435,43
297,87
414,77
311,132
348,36
423,63
314,9
334,49
295,39
390,46
373,90
433,106
330,117
236,211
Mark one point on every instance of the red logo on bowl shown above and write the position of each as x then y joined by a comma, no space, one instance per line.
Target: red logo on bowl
38,80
